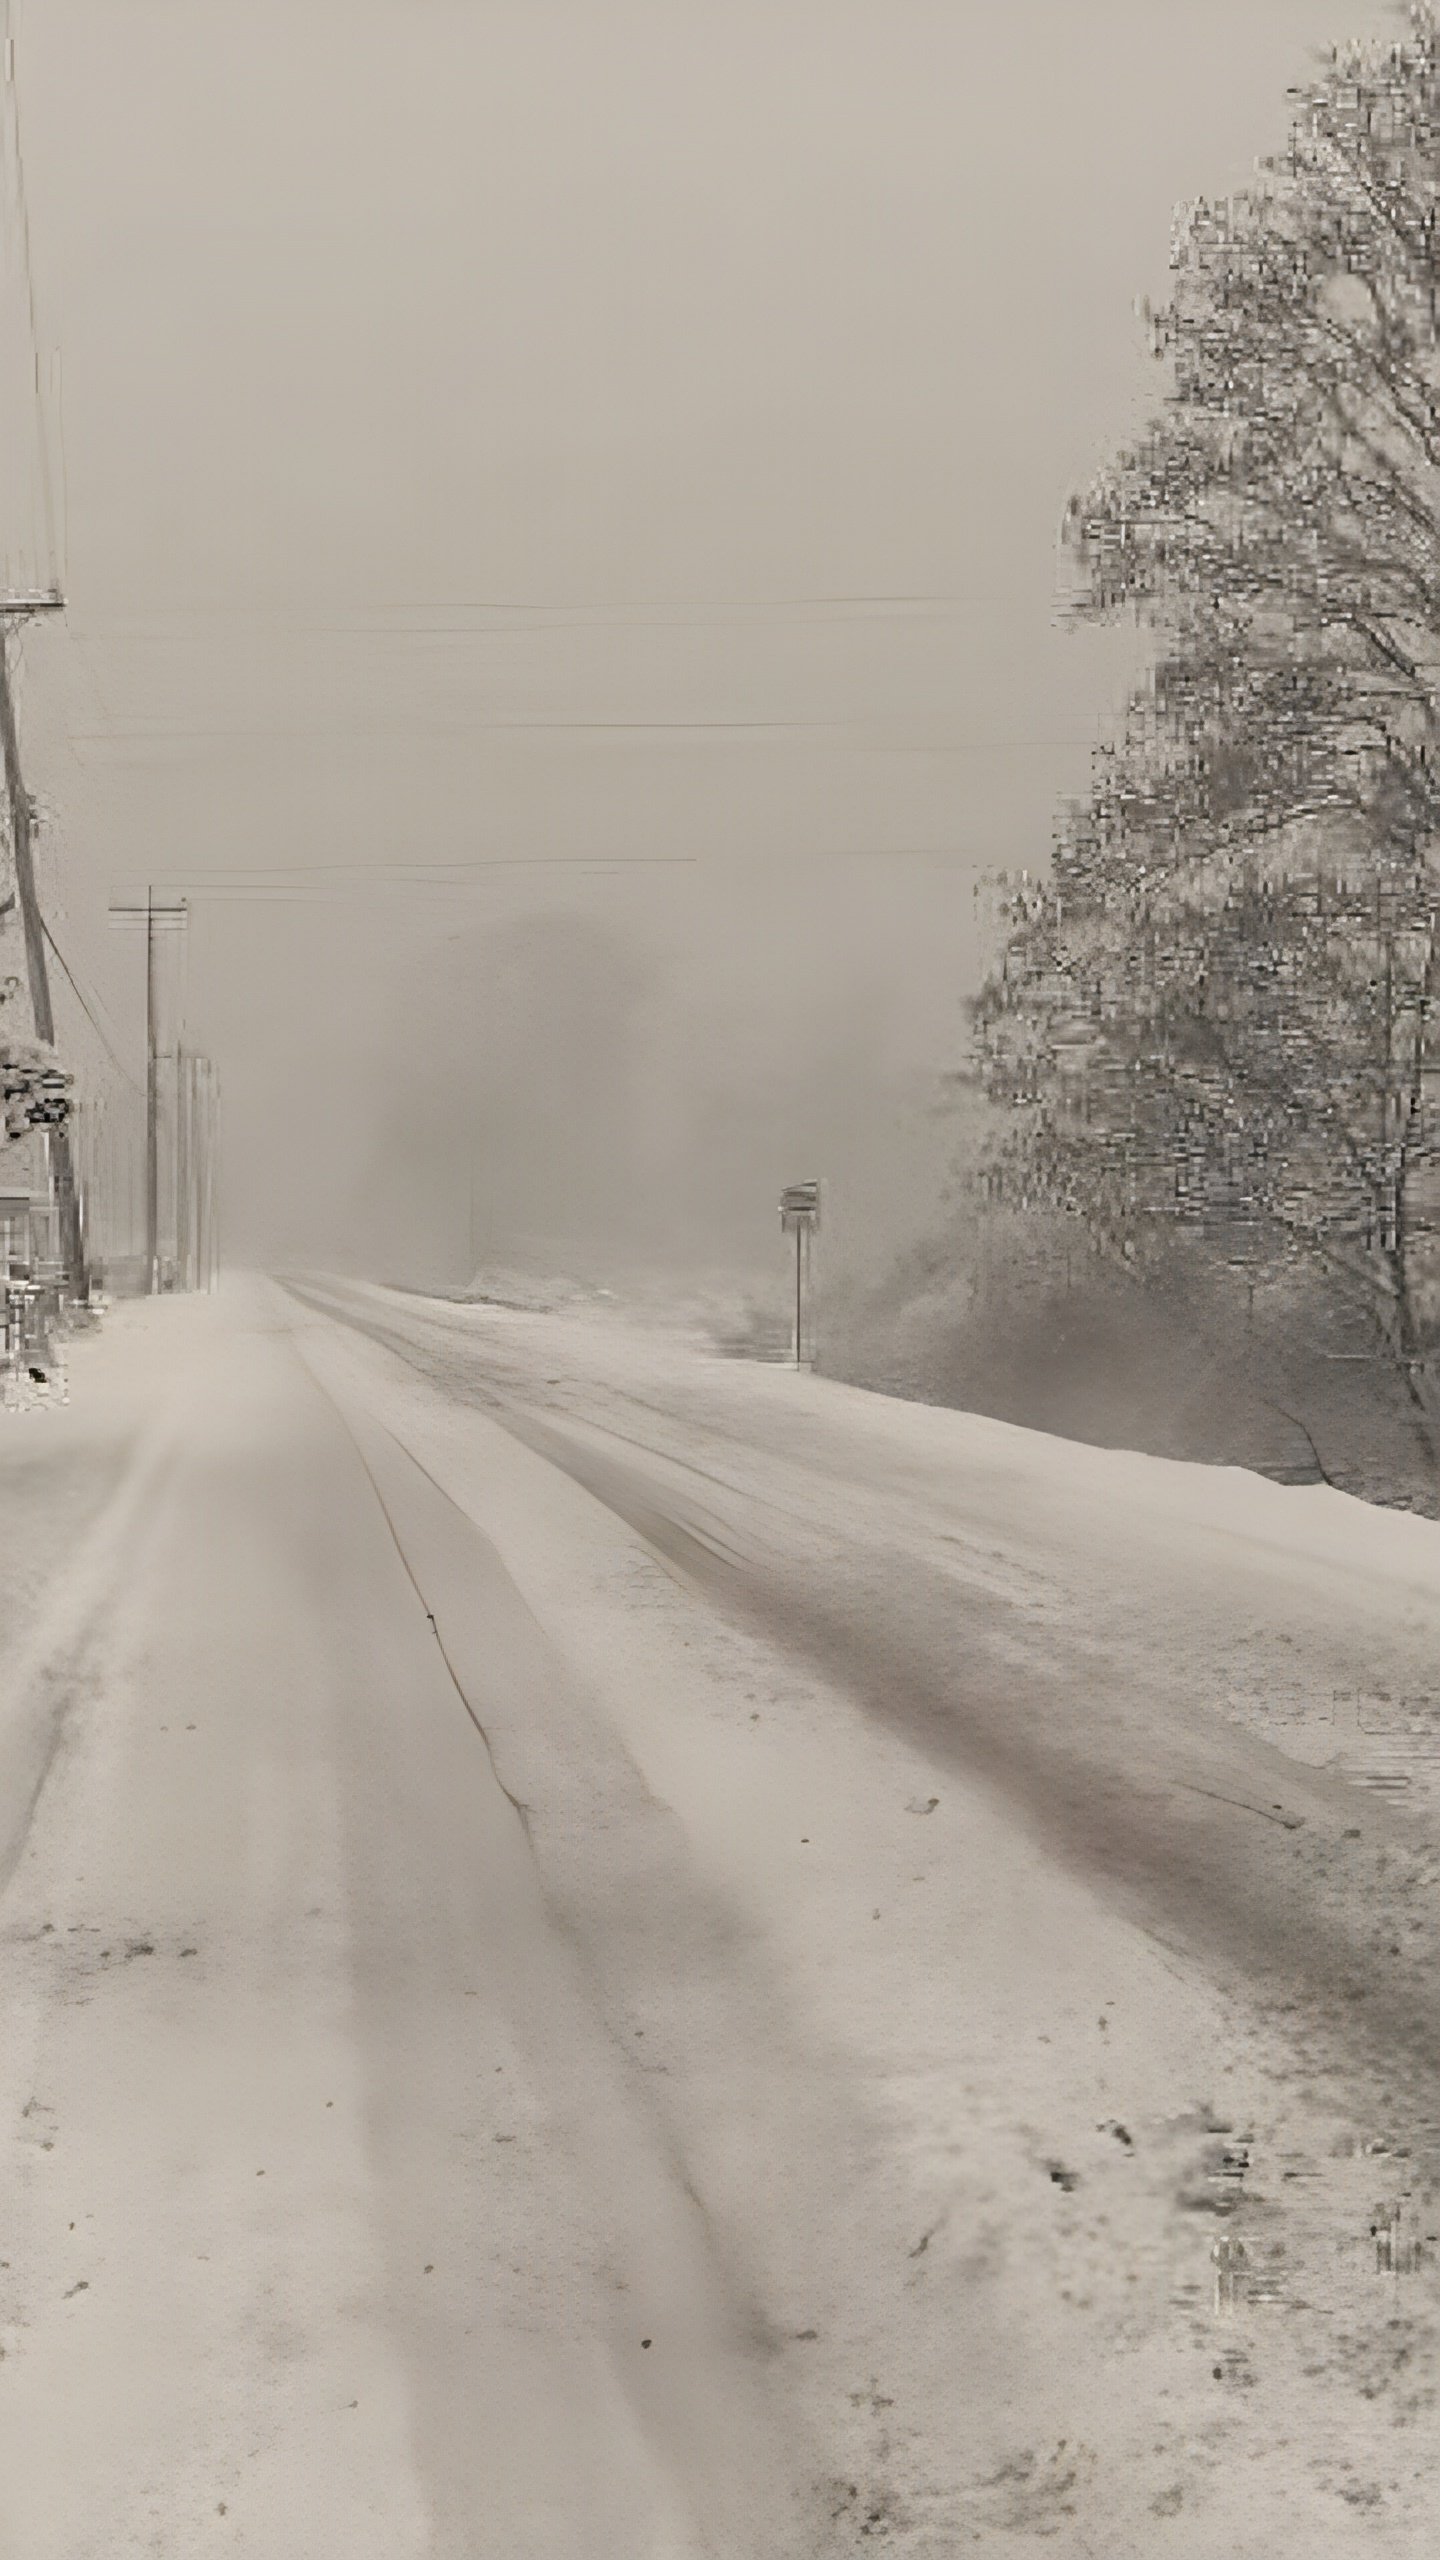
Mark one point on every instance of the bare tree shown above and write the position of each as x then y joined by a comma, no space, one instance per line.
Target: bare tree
1218,1009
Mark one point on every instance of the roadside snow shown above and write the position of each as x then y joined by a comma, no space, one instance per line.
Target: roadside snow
930,1444
330,2220
768,2144
971,2128
1299,1613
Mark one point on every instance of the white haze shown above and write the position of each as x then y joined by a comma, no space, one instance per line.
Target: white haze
479,420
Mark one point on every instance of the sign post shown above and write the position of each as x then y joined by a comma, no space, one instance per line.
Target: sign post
800,1216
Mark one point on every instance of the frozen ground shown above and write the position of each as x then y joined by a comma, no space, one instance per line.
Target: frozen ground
624,1954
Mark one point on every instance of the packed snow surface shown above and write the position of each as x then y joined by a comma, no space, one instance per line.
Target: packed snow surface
607,1951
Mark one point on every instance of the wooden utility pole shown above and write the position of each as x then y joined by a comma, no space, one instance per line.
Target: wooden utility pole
183,1065
155,920
189,1141
206,1200
212,1172
152,1108
22,840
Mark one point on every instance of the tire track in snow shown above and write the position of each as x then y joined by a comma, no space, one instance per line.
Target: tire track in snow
42,1680
1332,1922
710,2403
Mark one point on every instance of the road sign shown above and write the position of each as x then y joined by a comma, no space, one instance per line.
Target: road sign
799,1217
800,1205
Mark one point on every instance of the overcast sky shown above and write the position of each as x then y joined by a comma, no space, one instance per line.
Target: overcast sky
583,433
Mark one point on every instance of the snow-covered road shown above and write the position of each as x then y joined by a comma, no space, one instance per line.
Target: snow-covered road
1168,1672
619,1954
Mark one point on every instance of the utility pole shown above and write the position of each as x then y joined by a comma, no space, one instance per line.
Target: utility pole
22,840
18,606
206,1208
183,1064
200,1104
155,919
212,1171
152,1109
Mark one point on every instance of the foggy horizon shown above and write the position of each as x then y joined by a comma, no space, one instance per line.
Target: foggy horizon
620,450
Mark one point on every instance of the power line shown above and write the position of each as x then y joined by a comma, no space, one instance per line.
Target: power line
47,489
451,874
856,736
160,732
337,879
658,611
101,1035
397,870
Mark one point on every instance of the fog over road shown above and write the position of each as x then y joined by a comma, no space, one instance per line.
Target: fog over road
607,1951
